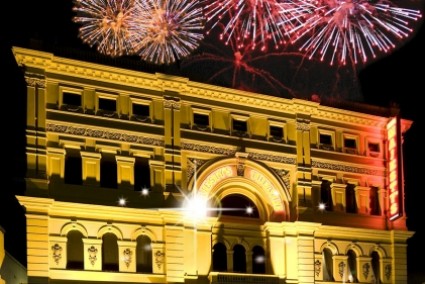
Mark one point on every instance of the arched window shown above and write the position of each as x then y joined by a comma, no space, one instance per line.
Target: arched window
352,266
376,268
219,258
109,252
258,260
144,254
75,250
327,265
325,194
239,259
239,205
350,199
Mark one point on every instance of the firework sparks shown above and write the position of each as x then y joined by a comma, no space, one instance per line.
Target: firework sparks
169,30
105,24
241,67
260,23
353,30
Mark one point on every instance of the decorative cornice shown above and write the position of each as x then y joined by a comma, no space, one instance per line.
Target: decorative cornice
345,168
104,134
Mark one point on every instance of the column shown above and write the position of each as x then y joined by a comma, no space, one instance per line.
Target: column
56,163
338,197
127,256
92,254
364,269
91,168
158,258
340,268
362,199
58,252
125,168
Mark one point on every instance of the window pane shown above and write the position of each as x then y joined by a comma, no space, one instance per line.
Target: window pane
107,104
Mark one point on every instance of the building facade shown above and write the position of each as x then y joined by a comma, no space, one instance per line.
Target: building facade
150,178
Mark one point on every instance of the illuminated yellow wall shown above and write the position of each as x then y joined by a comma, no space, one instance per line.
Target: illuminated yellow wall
281,174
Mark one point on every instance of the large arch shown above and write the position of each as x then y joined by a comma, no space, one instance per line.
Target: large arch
252,179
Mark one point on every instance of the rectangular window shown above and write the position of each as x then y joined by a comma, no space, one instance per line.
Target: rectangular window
71,99
107,104
350,143
141,110
239,127
276,133
326,139
201,120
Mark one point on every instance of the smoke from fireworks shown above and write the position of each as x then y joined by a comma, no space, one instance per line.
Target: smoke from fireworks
105,24
339,31
169,30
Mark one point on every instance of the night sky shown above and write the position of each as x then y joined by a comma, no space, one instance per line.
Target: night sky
396,78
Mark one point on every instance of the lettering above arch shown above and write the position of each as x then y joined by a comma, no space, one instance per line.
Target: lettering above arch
273,190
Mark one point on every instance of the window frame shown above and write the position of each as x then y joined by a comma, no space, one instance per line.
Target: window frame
70,90
239,118
279,124
200,111
103,112
328,147
137,101
374,154
350,150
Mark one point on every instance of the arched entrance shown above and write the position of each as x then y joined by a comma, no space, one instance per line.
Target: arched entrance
220,180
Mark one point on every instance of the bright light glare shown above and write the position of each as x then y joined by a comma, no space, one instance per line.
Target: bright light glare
249,210
145,191
196,208
122,201
322,206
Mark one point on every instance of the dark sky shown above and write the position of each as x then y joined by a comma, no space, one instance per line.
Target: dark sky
395,78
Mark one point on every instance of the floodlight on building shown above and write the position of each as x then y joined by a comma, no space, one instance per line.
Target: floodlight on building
196,207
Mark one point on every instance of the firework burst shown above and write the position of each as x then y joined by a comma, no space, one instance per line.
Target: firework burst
169,30
339,31
259,23
235,66
106,24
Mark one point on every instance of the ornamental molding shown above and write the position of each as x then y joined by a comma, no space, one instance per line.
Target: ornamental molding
57,253
345,168
303,124
36,82
172,104
272,158
208,149
104,134
284,175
